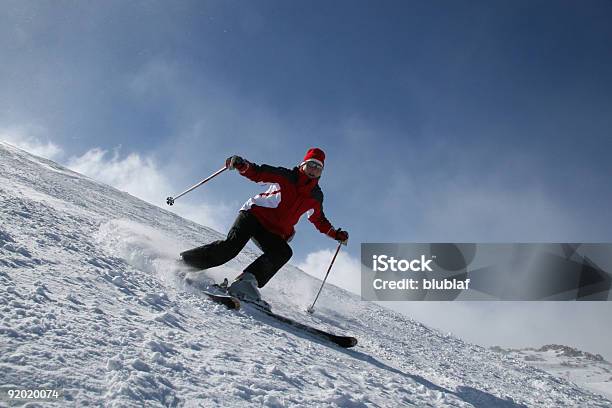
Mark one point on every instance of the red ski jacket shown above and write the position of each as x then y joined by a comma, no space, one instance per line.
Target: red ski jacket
291,193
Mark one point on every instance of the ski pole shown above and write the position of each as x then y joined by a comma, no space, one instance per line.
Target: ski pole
311,308
170,200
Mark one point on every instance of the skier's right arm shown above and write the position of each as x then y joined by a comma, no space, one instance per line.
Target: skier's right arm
257,173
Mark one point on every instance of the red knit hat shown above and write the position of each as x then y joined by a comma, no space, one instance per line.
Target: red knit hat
315,155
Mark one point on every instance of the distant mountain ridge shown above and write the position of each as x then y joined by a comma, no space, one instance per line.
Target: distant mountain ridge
560,349
588,370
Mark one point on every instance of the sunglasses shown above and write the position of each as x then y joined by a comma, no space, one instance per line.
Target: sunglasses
314,165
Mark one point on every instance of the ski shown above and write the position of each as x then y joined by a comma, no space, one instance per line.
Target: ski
229,301
212,292
342,341
218,293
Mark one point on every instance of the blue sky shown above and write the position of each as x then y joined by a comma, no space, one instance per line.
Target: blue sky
443,121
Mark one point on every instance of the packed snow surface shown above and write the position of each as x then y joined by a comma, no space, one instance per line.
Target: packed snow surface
90,303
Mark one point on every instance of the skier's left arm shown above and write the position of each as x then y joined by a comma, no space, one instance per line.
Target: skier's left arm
322,224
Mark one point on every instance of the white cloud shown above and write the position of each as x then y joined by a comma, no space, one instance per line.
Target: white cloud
345,273
133,174
31,139
141,177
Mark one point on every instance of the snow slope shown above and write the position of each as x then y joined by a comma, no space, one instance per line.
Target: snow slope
590,371
90,303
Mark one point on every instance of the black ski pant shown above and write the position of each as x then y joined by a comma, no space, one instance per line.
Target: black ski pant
276,251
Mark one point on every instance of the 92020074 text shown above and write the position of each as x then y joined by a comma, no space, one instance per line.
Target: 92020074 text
31,394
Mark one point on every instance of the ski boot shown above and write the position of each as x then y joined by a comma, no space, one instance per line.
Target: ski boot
245,288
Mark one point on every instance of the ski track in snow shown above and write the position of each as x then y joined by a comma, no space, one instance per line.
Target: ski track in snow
90,303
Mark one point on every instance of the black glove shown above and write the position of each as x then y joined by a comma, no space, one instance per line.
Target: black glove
339,235
236,162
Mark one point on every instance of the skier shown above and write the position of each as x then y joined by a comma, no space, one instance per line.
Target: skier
269,219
